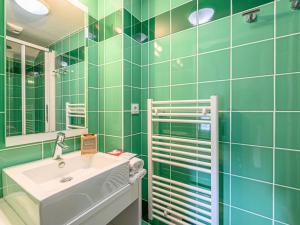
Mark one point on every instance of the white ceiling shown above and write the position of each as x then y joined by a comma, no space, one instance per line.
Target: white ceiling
64,18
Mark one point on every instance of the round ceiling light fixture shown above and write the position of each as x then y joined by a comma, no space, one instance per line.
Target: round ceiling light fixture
36,7
201,16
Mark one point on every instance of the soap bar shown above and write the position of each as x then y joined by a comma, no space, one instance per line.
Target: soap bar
89,144
122,154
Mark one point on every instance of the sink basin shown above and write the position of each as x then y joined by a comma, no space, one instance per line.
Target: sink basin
42,193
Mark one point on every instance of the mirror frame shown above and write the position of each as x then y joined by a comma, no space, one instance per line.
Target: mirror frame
42,137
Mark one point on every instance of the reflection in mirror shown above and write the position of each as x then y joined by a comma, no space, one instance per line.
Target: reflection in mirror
45,67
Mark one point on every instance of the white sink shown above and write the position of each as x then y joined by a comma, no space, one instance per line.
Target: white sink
43,194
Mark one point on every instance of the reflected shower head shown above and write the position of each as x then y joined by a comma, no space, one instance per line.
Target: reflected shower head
295,4
251,15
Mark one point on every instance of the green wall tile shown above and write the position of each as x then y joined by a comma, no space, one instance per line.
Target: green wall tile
224,190
136,76
178,48
287,166
288,92
127,71
113,123
136,52
220,88
2,98
136,144
252,162
145,10
2,53
239,217
127,123
2,130
161,94
239,6
223,214
176,3
253,60
184,92
224,126
93,100
287,54
252,128
2,15
127,48
253,94
93,122
112,6
145,76
160,26
112,143
101,52
113,22
214,66
252,196
15,156
93,54
145,54
113,74
213,36
157,7
263,28
288,20
136,8
287,203
113,49
287,130
159,50
113,99
224,157
184,70
93,76
159,74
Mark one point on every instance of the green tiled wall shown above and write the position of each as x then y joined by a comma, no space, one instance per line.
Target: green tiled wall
105,79
70,66
254,69
13,95
35,118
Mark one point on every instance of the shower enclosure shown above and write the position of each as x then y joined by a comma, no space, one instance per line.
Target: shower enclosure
27,68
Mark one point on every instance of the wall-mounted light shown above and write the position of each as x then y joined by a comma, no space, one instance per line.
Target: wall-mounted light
36,7
201,16
251,15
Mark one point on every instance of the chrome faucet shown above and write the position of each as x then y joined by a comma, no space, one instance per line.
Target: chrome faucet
60,146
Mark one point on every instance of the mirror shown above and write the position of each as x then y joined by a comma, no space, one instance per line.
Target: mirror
45,67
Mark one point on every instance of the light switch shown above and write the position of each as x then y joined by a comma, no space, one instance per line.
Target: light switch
135,109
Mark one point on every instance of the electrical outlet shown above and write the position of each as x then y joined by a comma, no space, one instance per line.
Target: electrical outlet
135,109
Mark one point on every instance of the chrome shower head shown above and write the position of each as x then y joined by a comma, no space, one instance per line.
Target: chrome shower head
295,4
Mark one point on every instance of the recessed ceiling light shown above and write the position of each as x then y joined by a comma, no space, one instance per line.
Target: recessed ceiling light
201,16
36,7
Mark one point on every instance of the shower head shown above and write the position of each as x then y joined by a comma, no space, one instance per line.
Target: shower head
295,4
251,15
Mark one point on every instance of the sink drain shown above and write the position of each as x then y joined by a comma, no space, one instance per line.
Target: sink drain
66,179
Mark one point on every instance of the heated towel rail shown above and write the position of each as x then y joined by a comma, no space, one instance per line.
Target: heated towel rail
172,201
75,116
